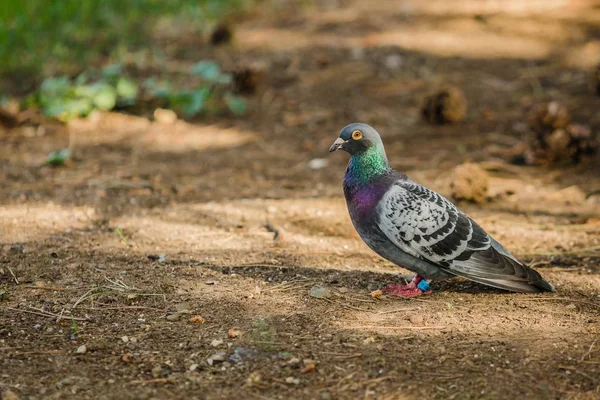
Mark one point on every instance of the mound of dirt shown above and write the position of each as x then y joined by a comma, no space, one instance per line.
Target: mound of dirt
248,78
445,106
221,35
552,138
469,182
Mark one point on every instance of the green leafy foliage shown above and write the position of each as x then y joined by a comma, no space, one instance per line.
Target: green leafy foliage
236,104
65,99
58,158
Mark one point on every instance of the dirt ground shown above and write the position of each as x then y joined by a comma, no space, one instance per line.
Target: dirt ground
145,269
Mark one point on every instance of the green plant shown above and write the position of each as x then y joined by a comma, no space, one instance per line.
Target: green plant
74,331
65,99
121,235
58,158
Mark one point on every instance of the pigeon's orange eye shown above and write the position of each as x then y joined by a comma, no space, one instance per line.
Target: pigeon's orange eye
357,135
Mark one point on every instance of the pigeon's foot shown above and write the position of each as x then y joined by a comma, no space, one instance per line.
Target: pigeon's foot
416,287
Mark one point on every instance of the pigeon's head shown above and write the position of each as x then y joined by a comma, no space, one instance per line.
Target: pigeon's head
356,139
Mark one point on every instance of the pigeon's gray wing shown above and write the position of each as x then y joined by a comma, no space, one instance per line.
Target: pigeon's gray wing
426,225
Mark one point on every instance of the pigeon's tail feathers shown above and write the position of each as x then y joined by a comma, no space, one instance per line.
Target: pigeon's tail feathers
503,272
544,285
513,286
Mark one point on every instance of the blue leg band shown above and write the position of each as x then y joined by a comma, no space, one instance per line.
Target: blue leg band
423,285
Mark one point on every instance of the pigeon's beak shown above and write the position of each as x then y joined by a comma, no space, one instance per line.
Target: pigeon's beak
339,142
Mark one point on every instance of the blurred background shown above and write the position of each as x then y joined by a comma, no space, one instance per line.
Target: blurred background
220,94
159,142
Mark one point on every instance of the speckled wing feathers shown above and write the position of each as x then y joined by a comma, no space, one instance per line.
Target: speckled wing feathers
426,225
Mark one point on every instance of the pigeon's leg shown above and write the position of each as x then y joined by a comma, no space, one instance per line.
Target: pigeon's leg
416,287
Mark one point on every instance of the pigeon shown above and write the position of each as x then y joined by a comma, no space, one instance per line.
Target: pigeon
417,228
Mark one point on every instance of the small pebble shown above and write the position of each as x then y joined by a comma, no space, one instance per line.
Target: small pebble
233,333
370,339
394,61
254,378
216,343
309,367
216,358
193,367
294,361
125,339
196,319
165,116
318,163
173,317
291,379
320,292
81,349
416,319
157,372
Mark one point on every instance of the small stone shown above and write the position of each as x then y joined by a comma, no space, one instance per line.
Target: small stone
133,340
164,116
376,294
309,366
193,367
294,361
320,292
216,358
254,378
9,395
318,163
173,317
216,343
416,319
233,333
126,357
370,339
291,379
81,349
162,258
125,339
196,319
394,61
157,372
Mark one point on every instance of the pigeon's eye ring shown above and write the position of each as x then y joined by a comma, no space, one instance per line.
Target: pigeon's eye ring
357,135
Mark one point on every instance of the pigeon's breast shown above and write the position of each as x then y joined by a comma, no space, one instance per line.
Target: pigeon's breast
362,201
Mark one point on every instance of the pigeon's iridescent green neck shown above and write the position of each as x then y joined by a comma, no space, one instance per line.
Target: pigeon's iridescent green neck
367,165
